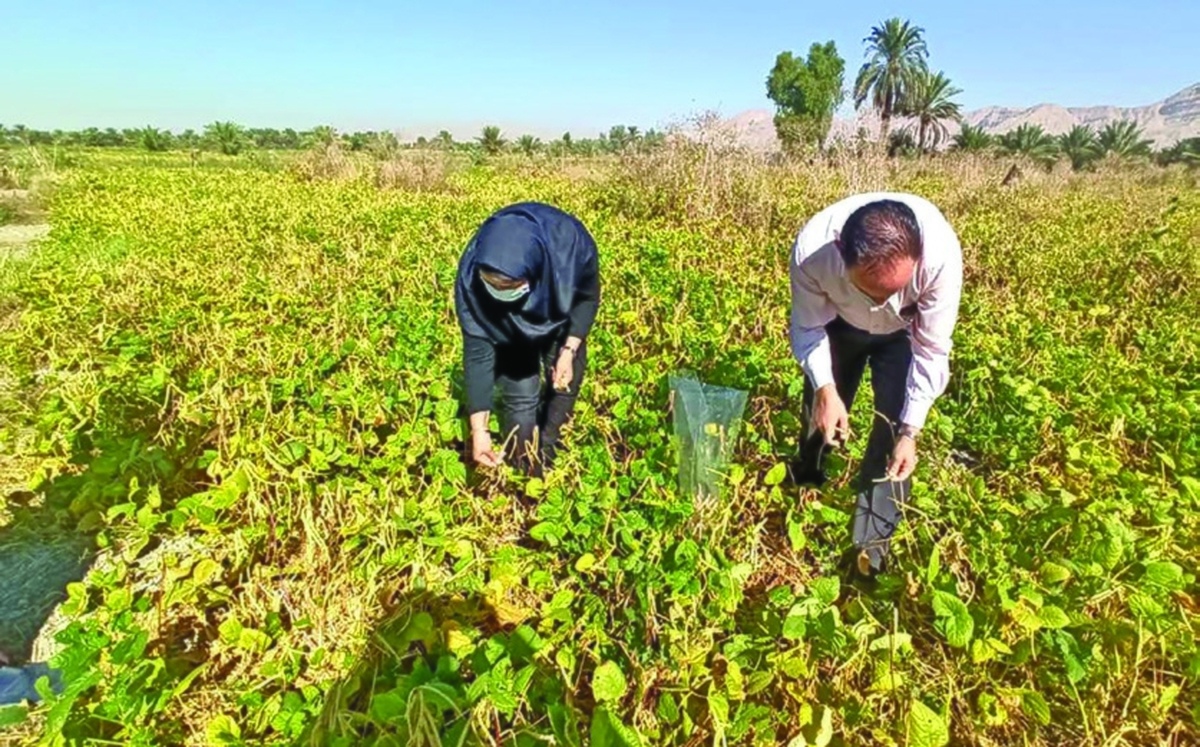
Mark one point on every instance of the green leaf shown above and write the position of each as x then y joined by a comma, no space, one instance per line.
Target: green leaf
954,620
892,642
223,731
609,731
827,589
795,530
254,641
776,474
1191,485
585,563
825,732
12,715
795,625
982,650
935,564
205,571
926,727
547,532
1053,617
387,707
1072,656
735,683
668,709
1035,706
718,708
77,600
1164,574
230,630
1109,551
1026,617
608,683
1053,573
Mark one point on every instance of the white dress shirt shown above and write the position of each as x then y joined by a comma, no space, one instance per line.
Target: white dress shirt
821,292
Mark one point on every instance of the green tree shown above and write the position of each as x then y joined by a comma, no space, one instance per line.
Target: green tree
322,135
1080,146
491,141
385,145
154,139
929,101
227,137
620,137
902,143
972,139
896,54
189,139
1185,151
529,145
445,140
1124,140
1032,141
806,92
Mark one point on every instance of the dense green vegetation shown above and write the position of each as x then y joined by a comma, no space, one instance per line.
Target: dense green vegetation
242,382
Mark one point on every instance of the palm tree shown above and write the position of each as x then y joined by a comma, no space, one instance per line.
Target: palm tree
902,143
1032,141
929,101
1079,146
491,141
154,139
896,53
444,139
972,139
1185,151
228,137
1124,139
529,144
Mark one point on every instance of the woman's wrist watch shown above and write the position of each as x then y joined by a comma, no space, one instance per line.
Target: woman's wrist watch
909,431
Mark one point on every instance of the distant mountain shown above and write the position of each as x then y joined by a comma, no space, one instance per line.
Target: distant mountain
1166,122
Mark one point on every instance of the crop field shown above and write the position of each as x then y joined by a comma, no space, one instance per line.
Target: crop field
238,382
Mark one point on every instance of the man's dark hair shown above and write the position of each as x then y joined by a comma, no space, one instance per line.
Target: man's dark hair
880,233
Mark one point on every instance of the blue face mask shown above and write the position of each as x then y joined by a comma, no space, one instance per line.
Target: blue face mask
506,296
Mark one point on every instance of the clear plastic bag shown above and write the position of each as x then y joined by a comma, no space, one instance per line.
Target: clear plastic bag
707,421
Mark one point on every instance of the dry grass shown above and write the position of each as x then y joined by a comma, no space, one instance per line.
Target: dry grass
416,171
328,162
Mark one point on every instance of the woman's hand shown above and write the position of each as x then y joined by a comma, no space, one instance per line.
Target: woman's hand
482,452
564,369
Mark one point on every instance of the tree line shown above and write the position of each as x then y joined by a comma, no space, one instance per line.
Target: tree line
231,138
895,80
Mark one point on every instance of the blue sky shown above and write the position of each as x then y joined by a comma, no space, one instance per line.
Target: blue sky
543,66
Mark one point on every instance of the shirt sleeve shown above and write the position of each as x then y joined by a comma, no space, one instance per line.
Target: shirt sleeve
587,302
811,311
937,313
479,370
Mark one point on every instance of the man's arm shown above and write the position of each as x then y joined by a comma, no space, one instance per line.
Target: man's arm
937,313
811,311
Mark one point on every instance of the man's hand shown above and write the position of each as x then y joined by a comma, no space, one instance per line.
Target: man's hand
830,416
482,452
904,459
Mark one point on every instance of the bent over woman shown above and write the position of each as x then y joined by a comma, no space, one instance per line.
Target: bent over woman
527,292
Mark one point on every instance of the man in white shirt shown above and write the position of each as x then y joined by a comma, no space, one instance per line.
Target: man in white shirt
876,280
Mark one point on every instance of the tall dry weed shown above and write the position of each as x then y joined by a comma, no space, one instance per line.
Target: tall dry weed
326,162
416,171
